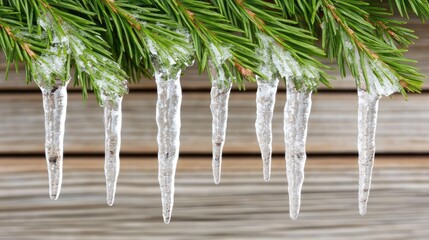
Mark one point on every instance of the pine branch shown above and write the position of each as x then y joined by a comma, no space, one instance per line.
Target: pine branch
134,29
72,42
261,17
353,41
418,7
387,28
18,44
211,34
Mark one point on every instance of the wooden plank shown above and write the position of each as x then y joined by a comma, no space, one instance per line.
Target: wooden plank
192,80
241,207
402,126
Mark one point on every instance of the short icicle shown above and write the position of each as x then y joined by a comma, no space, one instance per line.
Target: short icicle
220,92
112,126
296,114
55,108
168,121
367,122
265,101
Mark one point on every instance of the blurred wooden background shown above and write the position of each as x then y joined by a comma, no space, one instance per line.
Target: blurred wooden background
242,206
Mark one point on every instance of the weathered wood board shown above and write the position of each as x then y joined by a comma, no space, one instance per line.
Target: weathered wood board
241,207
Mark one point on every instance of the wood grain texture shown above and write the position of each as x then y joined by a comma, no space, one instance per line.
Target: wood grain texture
402,126
241,207
192,80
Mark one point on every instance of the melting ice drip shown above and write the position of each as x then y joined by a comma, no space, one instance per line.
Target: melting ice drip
112,125
55,108
367,122
168,121
265,101
380,81
220,92
296,115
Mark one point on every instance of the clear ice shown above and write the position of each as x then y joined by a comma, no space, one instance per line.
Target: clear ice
55,108
168,121
220,92
367,122
265,101
296,114
112,126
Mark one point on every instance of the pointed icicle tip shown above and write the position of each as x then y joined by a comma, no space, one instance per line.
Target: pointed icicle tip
167,219
54,196
217,169
55,181
362,208
294,215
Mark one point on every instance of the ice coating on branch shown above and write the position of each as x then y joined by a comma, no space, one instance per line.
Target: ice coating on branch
367,122
177,56
168,121
112,128
55,108
285,64
67,43
379,78
265,101
296,115
220,92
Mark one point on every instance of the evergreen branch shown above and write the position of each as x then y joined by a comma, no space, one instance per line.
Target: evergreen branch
386,28
136,30
212,33
259,16
352,40
71,41
418,7
17,44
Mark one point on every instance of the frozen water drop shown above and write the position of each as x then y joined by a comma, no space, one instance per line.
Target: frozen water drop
296,115
112,124
367,122
55,108
220,92
168,121
265,101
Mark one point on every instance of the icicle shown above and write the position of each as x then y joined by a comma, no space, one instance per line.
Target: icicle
296,114
168,121
220,91
55,107
265,101
367,122
112,126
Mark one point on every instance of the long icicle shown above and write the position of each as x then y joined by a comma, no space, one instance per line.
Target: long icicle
55,108
220,92
168,121
112,126
367,122
265,101
296,114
